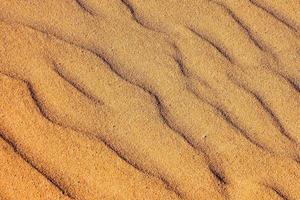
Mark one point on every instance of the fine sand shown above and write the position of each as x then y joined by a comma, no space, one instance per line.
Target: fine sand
150,99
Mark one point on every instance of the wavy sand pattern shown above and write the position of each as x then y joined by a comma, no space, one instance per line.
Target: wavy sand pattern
153,99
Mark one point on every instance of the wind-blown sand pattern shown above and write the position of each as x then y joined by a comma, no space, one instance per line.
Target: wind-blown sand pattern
156,99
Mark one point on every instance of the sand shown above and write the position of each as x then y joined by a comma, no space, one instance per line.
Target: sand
153,99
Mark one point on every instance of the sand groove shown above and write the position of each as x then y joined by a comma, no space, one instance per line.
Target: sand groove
274,15
29,162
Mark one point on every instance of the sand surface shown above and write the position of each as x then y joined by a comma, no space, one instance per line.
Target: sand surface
150,99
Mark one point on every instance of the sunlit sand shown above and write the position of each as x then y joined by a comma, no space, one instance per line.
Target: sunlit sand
153,99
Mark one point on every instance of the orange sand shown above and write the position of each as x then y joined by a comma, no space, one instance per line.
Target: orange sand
153,99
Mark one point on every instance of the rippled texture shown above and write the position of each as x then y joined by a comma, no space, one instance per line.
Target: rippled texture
156,99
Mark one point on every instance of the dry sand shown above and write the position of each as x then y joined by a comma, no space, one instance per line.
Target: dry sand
152,99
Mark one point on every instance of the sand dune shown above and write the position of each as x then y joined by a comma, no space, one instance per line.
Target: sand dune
130,99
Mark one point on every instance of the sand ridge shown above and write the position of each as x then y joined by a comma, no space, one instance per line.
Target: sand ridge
130,99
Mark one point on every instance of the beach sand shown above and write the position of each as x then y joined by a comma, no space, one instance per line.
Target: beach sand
152,99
